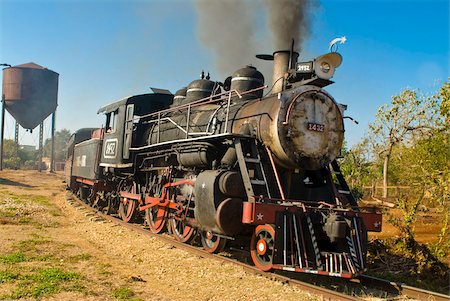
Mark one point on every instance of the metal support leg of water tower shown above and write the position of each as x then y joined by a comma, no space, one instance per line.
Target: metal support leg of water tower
2,132
16,141
52,161
41,145
16,134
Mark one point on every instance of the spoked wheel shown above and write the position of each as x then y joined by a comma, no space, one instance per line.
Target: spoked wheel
181,231
212,243
262,247
108,203
156,219
127,207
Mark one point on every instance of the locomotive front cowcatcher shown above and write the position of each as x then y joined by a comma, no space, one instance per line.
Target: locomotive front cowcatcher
225,162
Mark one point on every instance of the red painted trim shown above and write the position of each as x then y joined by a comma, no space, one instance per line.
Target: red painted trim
248,213
263,213
163,201
85,181
129,195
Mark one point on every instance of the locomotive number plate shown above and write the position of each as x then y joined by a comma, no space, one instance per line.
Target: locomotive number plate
316,127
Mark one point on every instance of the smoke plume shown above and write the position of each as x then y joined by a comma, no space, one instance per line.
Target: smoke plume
227,28
288,19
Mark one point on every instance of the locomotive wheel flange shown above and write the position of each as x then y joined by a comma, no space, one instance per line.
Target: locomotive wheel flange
156,219
212,243
181,231
127,207
262,247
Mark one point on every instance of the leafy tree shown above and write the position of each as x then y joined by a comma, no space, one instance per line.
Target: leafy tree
444,94
407,115
412,136
10,154
356,166
426,164
15,156
61,139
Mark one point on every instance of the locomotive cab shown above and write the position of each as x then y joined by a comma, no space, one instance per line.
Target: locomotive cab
122,130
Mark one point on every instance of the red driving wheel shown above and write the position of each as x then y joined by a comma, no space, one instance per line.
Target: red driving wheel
262,247
156,219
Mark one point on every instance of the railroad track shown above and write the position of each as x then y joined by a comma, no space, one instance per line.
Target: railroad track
402,289
391,288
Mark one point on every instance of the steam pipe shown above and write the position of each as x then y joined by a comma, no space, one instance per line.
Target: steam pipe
291,55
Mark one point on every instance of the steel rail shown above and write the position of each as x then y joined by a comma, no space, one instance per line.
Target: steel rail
324,293
402,289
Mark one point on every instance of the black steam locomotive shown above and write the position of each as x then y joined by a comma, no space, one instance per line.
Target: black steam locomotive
222,162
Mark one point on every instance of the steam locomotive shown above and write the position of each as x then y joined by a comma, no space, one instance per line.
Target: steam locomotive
225,163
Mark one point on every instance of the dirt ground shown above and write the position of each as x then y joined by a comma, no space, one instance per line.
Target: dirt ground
426,227
49,250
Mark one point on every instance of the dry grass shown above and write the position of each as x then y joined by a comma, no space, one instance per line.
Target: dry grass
49,250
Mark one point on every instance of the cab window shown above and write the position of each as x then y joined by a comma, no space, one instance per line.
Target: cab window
111,120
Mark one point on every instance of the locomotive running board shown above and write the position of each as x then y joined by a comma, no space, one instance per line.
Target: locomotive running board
317,272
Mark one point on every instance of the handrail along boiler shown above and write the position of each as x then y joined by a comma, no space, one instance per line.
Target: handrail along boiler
222,162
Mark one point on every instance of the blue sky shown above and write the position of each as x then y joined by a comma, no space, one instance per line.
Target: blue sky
105,50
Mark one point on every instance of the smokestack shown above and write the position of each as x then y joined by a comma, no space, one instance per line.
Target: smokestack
281,62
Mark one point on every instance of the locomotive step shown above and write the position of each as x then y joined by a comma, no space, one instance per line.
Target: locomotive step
252,160
258,182
344,191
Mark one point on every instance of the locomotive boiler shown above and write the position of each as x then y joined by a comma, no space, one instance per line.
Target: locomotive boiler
226,163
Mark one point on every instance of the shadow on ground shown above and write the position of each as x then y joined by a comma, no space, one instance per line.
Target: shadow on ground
13,183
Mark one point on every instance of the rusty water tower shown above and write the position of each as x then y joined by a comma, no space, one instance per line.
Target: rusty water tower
30,94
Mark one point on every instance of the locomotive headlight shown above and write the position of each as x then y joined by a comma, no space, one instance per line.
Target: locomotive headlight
325,67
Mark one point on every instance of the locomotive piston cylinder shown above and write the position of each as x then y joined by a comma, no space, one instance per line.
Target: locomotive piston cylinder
218,201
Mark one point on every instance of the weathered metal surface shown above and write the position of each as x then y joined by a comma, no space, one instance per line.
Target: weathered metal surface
282,125
126,133
199,89
215,210
248,78
86,159
77,137
179,97
281,64
31,93
311,128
